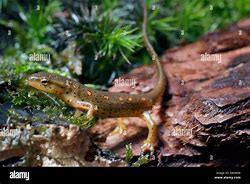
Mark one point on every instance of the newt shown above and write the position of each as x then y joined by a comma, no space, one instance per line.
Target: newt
103,104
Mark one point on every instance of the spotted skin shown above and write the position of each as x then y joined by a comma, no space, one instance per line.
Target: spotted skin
107,105
103,104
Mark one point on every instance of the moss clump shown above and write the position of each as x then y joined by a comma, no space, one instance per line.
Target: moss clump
83,121
142,160
128,153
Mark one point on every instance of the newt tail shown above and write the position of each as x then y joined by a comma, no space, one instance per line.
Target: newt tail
103,104
162,82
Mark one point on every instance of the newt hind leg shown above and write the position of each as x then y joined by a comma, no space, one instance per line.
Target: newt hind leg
120,128
152,140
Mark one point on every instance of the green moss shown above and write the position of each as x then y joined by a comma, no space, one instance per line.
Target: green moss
83,121
129,153
142,160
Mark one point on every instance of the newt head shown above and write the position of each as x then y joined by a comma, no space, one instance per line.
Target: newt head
49,83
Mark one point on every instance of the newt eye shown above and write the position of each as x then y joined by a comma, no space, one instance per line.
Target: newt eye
44,81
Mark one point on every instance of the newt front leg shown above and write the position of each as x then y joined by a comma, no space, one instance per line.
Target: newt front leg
83,106
152,140
86,105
